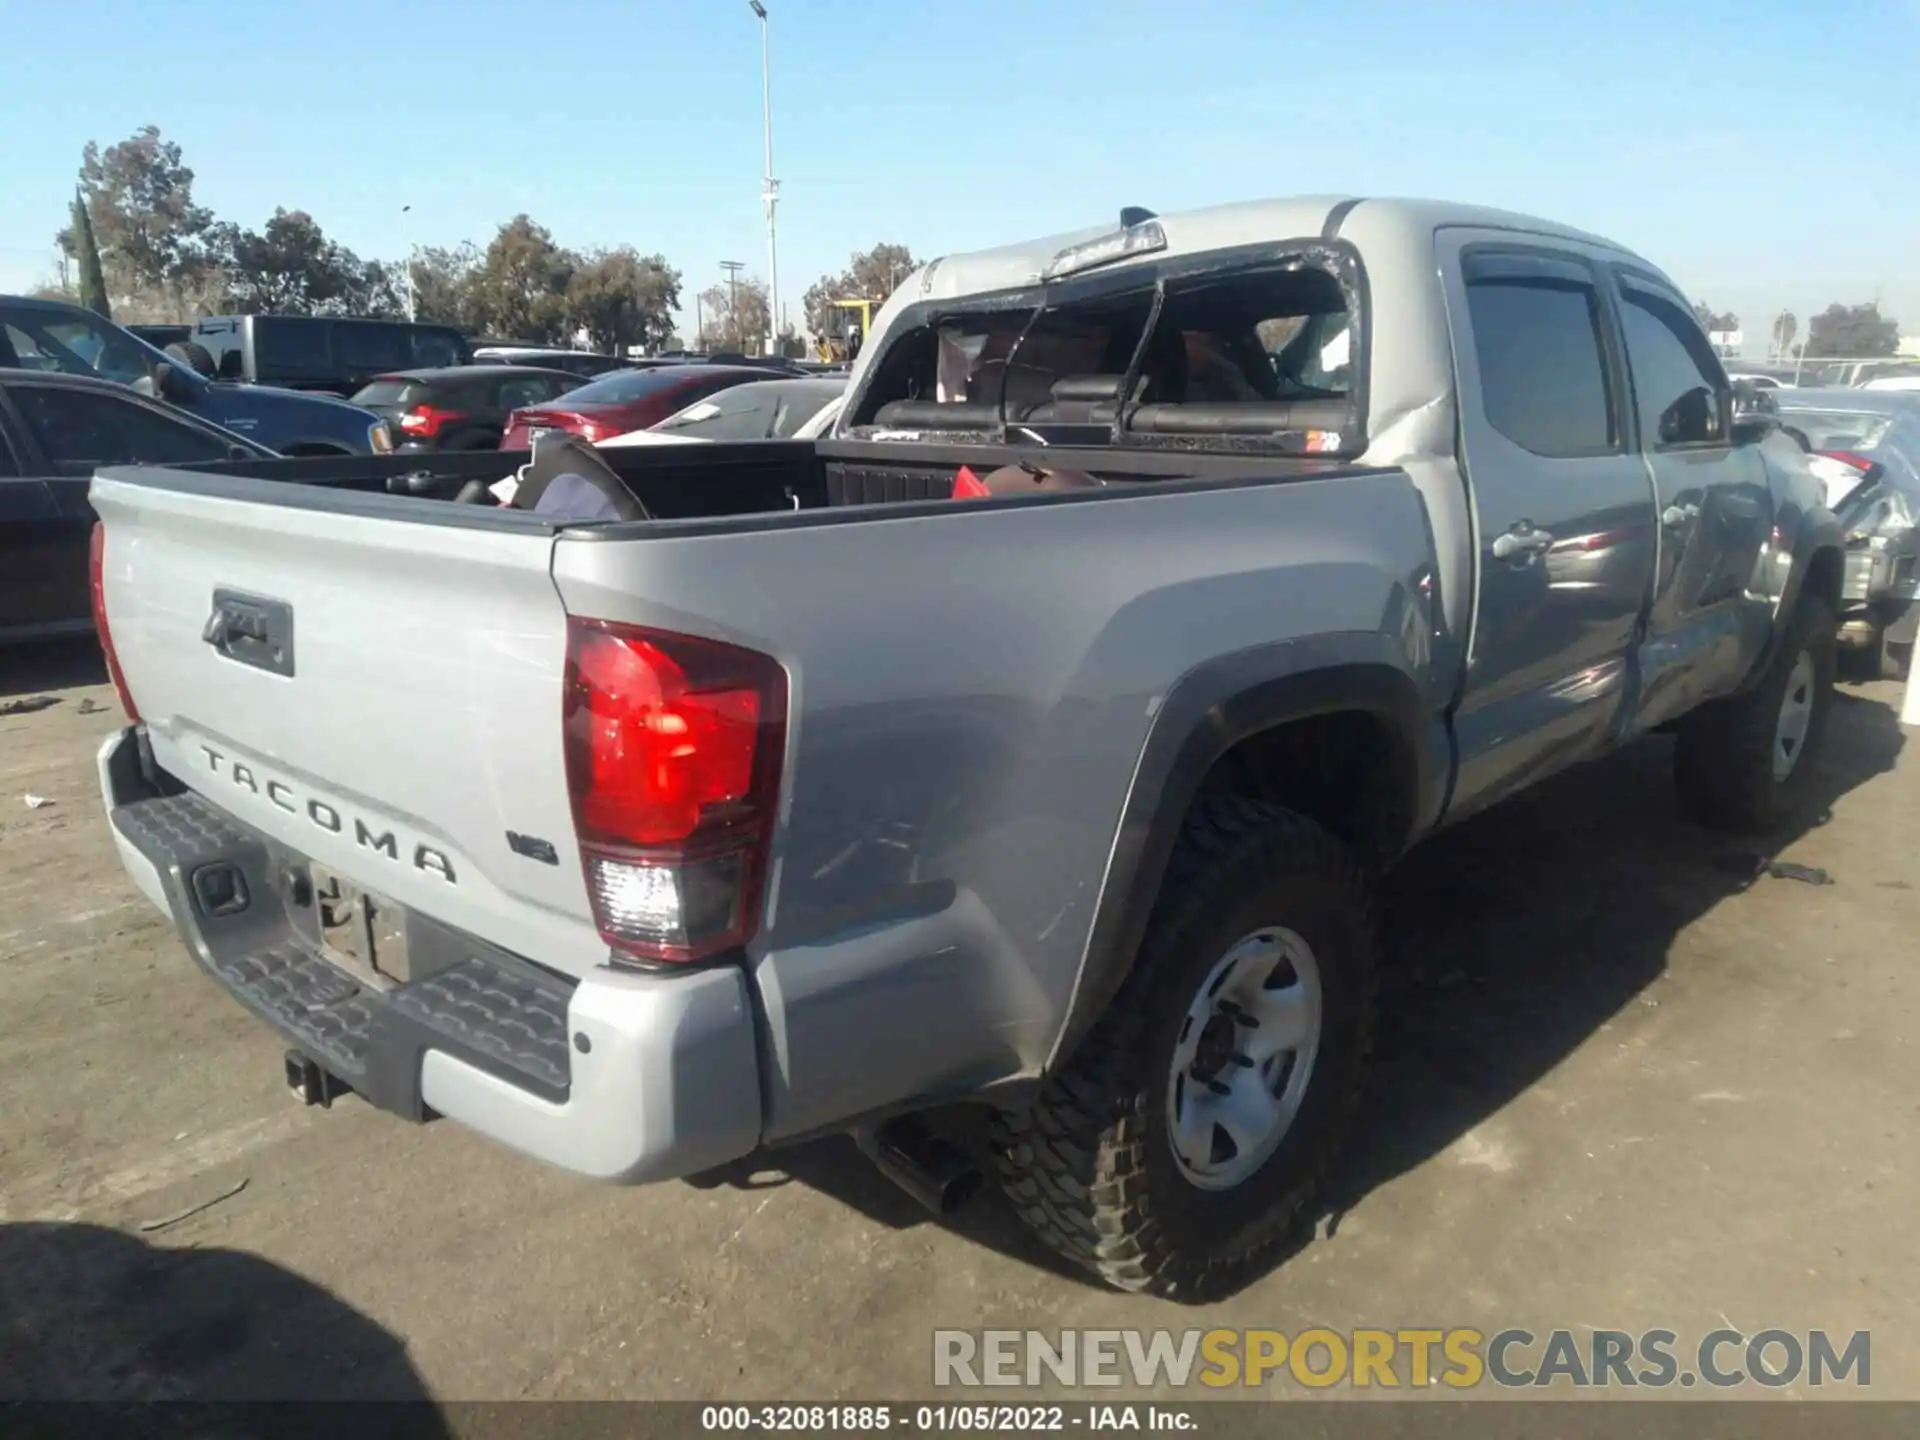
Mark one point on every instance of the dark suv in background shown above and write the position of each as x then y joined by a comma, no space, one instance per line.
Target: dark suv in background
52,336
335,357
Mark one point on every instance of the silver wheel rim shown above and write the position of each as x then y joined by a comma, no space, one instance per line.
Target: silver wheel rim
1796,716
1244,1058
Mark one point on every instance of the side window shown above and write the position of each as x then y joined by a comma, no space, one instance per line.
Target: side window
80,427
434,349
1679,389
359,346
529,390
1543,373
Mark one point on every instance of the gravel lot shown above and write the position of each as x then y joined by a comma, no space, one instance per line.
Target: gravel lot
1621,1087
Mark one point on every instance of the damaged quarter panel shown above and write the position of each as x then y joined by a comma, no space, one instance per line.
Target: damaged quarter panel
970,698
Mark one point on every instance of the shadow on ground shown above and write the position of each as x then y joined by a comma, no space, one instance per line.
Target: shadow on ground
92,1314
1517,934
46,666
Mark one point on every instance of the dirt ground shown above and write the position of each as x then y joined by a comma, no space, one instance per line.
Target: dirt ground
1622,1085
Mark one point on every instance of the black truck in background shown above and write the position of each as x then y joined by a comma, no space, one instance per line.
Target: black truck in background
332,356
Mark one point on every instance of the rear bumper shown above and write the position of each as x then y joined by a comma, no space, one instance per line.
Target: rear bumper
622,1076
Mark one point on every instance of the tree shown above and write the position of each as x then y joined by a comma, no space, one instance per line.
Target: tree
870,275
93,281
290,267
1854,331
148,230
621,297
1786,325
1711,320
445,286
735,316
520,288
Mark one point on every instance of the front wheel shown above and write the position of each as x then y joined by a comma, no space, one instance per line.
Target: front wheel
1743,762
1178,1148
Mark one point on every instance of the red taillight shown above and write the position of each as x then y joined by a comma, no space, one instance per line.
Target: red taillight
96,583
673,749
426,420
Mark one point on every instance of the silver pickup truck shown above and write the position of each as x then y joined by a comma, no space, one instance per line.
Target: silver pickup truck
809,799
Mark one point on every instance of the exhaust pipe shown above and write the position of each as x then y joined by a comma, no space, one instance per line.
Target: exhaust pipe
937,1174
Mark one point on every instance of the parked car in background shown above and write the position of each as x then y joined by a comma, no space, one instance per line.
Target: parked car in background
624,400
161,336
1894,382
577,362
52,336
801,409
54,429
302,352
1866,446
460,407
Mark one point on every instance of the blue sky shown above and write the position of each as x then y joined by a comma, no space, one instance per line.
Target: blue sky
1762,152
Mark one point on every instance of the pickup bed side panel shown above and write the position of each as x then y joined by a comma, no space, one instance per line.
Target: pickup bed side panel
971,693
415,720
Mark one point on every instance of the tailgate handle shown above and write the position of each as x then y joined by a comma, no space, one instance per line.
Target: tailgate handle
252,630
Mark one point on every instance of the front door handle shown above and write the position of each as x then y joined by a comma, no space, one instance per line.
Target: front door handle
1522,540
1674,516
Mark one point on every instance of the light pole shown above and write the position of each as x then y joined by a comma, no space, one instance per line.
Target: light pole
769,187
406,210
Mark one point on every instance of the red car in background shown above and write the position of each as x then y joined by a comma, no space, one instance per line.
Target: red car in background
625,400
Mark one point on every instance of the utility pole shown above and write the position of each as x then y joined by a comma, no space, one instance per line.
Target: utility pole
769,187
405,230
733,269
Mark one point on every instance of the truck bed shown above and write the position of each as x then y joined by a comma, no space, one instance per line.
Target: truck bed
686,482
967,696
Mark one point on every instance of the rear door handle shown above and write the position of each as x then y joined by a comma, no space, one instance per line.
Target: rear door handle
1522,540
1674,516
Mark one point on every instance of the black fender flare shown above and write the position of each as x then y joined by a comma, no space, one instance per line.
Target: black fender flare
1819,530
1209,711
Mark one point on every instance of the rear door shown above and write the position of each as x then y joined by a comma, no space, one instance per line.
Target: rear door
1563,508
73,431
43,554
1715,505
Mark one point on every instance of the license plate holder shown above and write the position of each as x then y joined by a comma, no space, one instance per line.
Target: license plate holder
534,432
362,932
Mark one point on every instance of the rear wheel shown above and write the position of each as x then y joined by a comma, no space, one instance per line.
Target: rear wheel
1195,1124
1743,762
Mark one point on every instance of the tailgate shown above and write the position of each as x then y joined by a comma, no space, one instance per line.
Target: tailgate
385,698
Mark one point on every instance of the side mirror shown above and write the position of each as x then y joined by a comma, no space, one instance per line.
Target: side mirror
1756,413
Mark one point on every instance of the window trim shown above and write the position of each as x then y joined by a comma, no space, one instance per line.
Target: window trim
1533,265
1625,279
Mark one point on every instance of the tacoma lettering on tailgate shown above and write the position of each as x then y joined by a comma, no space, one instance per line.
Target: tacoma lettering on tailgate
281,795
